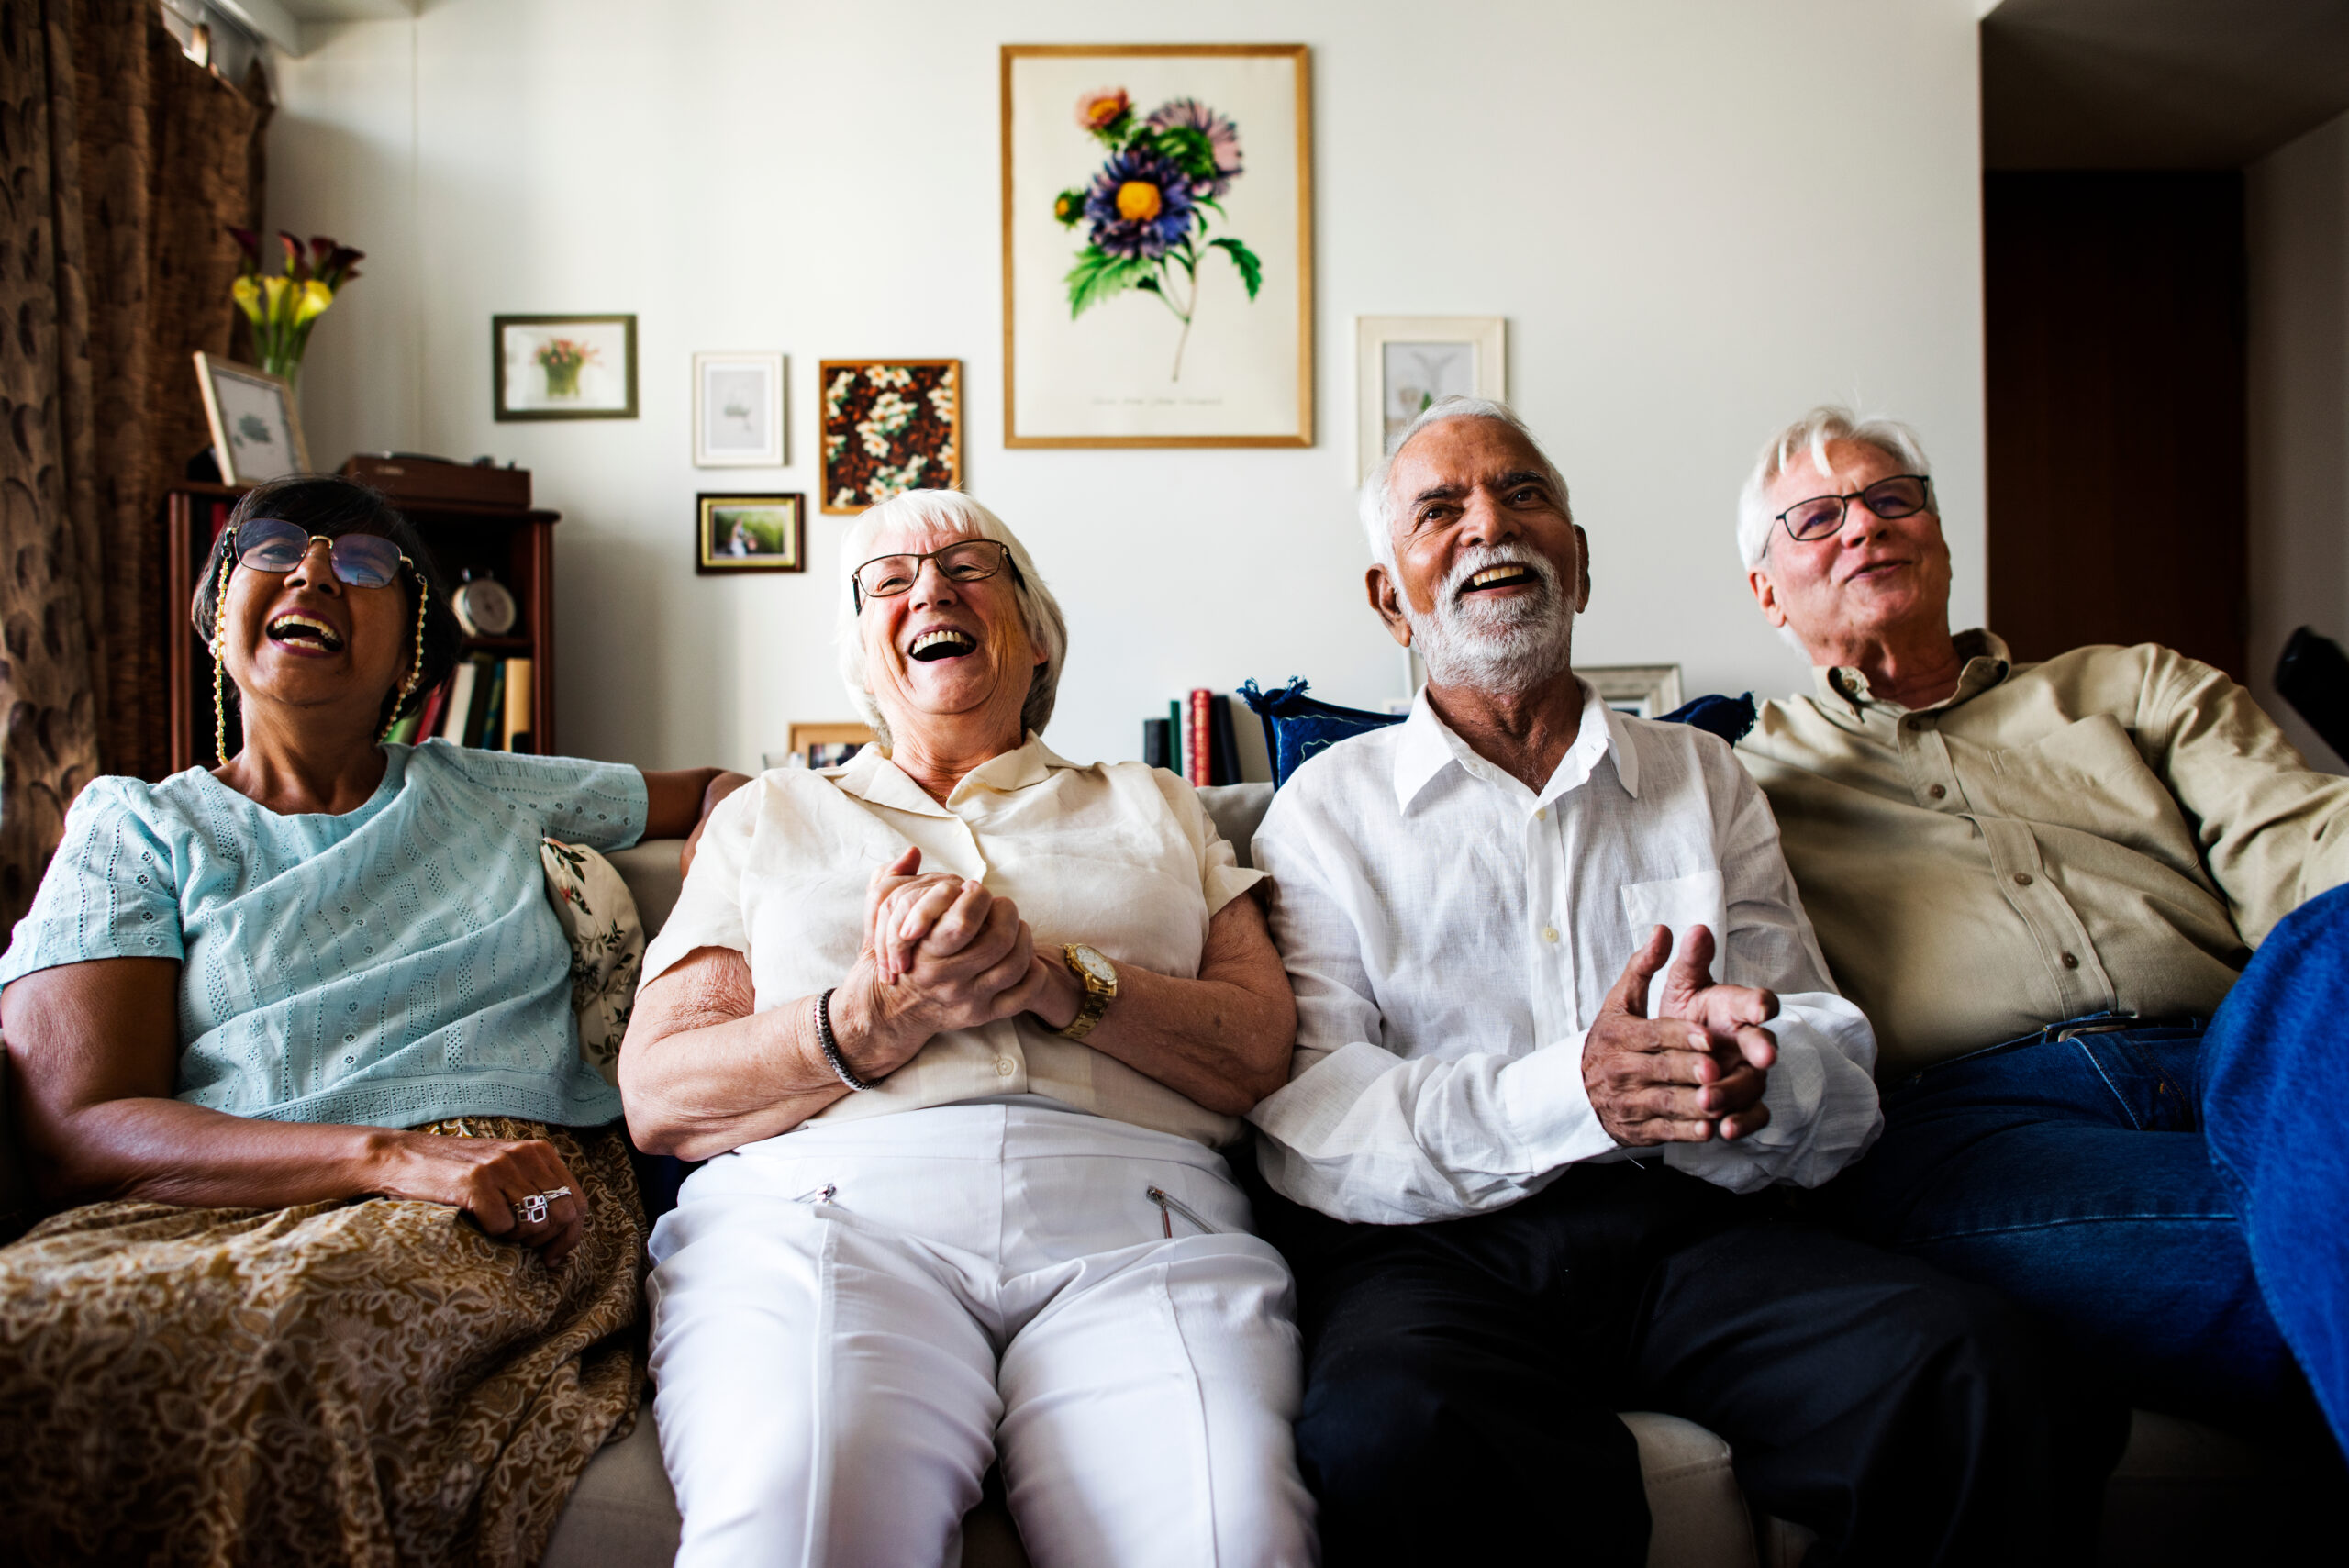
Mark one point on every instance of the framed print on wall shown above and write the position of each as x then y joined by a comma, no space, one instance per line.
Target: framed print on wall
1402,363
890,426
749,533
562,367
1157,245
738,411
256,432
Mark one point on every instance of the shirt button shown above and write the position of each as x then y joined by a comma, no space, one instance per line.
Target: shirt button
1541,813
2022,879
2071,960
1549,933
1938,791
1005,1067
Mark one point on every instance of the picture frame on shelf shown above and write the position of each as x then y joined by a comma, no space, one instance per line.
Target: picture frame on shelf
1644,691
739,411
256,429
1157,245
736,533
821,745
562,367
1404,363
889,426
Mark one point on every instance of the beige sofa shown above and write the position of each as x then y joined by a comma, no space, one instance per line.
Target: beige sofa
2183,1494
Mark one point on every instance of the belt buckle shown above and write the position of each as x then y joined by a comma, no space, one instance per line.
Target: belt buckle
2096,1026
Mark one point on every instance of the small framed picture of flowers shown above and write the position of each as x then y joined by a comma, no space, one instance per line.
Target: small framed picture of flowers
890,426
562,367
1157,245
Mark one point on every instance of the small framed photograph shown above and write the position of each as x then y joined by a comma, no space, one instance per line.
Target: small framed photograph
749,533
890,426
562,367
256,434
1402,363
1644,691
738,411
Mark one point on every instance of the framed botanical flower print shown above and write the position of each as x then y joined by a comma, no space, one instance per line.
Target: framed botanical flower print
1157,245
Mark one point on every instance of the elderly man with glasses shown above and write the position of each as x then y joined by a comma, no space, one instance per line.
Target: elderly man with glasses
1530,1165
2045,884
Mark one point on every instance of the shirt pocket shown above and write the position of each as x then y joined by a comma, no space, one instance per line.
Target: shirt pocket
1679,902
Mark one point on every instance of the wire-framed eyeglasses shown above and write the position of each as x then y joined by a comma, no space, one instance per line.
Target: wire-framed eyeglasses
964,560
361,561
1901,496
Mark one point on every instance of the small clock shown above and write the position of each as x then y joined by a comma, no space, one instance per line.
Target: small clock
482,606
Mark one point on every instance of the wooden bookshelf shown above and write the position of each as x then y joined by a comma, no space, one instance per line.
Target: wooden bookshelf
514,544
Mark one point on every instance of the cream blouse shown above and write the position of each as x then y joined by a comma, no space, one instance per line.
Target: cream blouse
1118,855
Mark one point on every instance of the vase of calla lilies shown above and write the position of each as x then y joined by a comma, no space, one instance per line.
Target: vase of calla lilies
283,308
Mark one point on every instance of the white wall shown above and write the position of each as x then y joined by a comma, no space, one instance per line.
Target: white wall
2297,241
1699,216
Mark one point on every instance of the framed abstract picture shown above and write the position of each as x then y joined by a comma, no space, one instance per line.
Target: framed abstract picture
1402,363
890,426
749,533
738,411
1157,245
562,367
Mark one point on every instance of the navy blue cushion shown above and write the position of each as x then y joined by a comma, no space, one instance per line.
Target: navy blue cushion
1298,727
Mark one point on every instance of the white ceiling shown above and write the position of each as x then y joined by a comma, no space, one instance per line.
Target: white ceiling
2157,84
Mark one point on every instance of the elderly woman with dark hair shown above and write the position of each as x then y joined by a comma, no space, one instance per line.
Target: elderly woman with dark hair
966,1199
357,1255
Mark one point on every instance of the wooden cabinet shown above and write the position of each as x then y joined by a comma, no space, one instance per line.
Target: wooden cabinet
514,544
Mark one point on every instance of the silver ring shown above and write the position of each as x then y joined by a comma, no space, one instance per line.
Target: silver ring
534,1208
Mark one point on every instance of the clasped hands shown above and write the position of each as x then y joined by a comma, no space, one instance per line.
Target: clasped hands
1695,1071
941,952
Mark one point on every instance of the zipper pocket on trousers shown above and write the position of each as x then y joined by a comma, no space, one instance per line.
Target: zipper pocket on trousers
1169,1205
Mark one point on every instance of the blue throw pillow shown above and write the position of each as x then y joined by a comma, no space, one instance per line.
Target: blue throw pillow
1298,727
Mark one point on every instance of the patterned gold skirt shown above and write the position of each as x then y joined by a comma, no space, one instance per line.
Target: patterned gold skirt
368,1381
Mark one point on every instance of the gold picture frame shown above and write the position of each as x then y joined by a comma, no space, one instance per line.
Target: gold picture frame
256,428
735,533
1080,346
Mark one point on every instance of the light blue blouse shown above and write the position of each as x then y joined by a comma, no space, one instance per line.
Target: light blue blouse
394,966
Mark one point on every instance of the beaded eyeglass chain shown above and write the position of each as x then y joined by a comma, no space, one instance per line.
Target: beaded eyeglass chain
220,638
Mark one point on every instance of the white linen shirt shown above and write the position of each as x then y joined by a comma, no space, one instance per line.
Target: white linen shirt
1118,855
1452,936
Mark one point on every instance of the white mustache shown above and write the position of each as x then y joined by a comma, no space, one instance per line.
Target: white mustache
1486,556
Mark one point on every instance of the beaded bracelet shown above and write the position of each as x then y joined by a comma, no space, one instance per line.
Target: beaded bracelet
832,1047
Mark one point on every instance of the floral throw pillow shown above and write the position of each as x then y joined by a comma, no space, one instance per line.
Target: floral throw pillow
598,916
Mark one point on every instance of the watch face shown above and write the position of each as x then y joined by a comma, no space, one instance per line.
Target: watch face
1093,964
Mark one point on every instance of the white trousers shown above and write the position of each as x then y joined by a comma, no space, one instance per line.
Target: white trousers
850,1322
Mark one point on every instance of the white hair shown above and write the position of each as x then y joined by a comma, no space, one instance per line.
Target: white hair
1378,508
1812,433
952,511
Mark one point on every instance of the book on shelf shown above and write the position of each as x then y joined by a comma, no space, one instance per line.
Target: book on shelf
489,708
1158,743
1227,744
458,709
1178,739
1198,755
1198,739
514,732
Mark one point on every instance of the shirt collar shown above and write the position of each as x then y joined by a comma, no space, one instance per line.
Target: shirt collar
872,777
1988,662
1427,746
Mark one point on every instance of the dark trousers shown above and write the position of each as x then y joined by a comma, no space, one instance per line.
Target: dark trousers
1462,1380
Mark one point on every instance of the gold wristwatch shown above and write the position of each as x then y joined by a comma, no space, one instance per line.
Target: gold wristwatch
1099,978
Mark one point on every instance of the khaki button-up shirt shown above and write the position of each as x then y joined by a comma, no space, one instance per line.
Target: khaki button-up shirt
2114,829
1117,855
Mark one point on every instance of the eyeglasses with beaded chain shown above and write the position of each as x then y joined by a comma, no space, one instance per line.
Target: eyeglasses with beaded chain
360,560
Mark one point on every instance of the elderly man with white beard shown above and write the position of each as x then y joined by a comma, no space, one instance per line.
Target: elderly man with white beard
1528,1164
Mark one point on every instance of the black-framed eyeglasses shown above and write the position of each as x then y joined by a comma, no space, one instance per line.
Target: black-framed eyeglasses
361,561
1902,495
964,560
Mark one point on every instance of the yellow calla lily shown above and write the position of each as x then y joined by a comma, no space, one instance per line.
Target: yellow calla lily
246,291
274,288
311,302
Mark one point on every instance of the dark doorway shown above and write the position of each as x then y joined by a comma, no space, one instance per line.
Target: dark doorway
2115,327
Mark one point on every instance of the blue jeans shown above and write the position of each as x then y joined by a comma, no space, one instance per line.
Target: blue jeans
2173,1199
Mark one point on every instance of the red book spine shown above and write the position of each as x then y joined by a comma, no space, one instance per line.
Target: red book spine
428,716
1200,764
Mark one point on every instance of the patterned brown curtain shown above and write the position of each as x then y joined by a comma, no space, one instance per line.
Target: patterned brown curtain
124,164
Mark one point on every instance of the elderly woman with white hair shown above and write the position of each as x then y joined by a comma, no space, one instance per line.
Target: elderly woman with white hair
959,1027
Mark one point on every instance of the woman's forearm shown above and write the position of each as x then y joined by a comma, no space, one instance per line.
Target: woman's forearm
1220,1044
169,1151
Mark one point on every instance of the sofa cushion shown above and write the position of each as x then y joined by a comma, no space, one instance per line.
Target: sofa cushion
598,916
